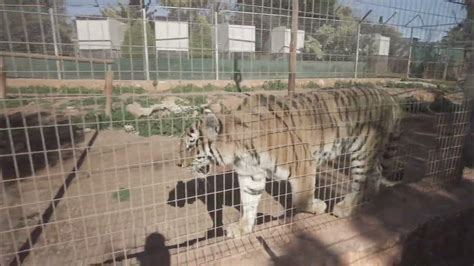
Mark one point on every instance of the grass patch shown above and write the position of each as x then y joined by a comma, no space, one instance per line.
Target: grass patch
135,90
12,103
351,84
123,194
117,90
274,85
191,88
166,125
233,88
311,85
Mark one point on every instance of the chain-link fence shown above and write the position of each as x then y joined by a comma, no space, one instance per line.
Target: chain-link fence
216,40
88,178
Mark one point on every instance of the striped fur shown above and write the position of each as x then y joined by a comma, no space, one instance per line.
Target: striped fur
287,138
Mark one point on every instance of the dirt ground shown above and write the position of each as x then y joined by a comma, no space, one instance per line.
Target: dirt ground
120,194
167,84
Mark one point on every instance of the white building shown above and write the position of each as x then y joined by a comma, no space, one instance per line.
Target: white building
378,44
236,38
100,34
280,40
172,36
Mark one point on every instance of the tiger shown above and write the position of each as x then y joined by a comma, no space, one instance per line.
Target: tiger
287,138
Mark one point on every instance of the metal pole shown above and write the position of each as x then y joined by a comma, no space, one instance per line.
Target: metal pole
446,63
3,80
109,77
357,51
216,48
409,53
293,45
145,45
55,42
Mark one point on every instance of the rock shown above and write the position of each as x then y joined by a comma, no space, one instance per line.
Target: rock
137,111
168,105
129,128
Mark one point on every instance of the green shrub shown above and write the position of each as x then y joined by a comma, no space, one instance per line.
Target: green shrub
274,85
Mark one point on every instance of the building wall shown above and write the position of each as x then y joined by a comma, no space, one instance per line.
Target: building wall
172,36
280,40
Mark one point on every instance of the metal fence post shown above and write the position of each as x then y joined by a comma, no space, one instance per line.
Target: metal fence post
357,51
145,45
293,47
109,76
55,42
446,63
216,46
3,80
409,53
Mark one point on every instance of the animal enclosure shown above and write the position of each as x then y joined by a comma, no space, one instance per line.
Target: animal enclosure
78,186
154,168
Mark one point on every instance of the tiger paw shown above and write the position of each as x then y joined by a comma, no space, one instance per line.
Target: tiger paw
348,206
236,230
316,206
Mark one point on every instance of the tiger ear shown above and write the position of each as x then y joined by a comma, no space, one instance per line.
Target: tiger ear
211,124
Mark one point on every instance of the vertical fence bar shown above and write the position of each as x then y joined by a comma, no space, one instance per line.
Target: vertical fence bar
145,45
216,46
3,80
446,63
409,53
109,76
356,65
55,42
293,44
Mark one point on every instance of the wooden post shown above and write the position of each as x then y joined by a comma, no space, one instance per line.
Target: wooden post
293,44
3,80
109,76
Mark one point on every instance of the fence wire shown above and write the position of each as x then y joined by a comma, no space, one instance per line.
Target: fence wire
399,40
79,185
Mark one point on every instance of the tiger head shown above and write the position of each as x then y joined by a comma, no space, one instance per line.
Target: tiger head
195,147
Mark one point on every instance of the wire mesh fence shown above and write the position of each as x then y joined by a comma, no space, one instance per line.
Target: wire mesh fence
78,186
215,40
85,182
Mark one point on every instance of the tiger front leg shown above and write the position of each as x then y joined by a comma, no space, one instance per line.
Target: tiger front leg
251,189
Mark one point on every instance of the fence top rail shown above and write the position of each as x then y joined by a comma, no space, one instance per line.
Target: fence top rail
57,57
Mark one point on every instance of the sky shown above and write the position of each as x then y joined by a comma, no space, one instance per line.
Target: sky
431,12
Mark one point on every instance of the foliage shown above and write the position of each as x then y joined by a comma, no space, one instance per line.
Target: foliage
133,41
311,85
29,30
200,39
313,46
233,88
191,88
274,85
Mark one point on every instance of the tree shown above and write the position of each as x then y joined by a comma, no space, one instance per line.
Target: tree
200,39
133,43
338,37
28,26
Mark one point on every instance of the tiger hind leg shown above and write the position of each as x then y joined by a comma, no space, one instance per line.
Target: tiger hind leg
360,170
303,198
